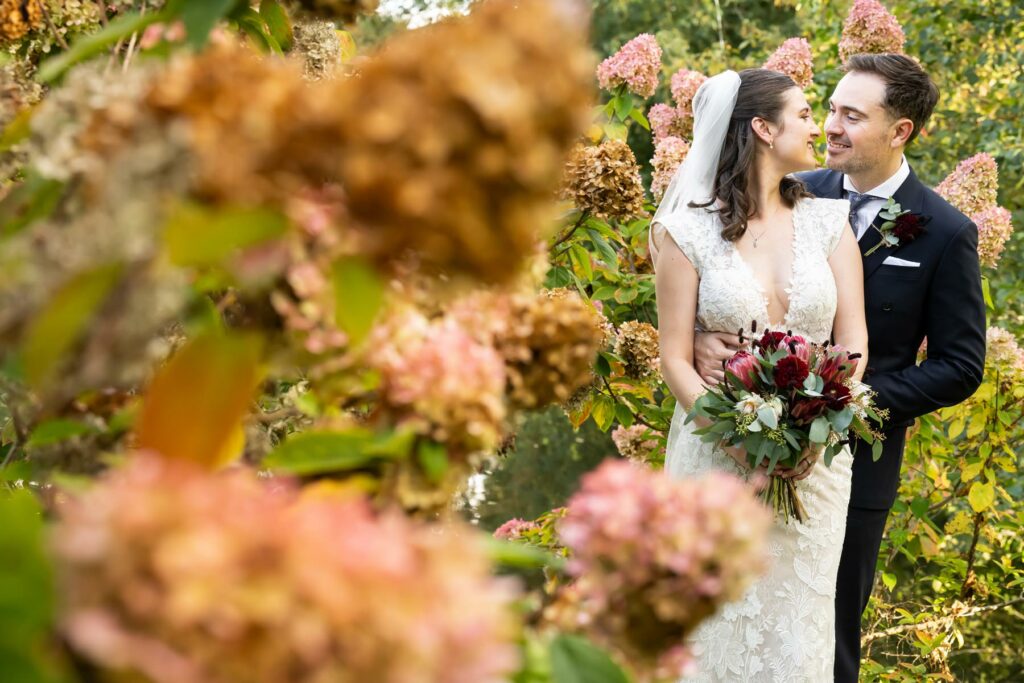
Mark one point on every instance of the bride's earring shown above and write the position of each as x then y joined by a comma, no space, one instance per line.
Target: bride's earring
771,144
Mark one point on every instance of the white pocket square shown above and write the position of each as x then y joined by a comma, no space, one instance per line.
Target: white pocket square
893,261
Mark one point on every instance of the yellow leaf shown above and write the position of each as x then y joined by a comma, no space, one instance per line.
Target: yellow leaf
981,496
60,325
199,236
194,407
971,470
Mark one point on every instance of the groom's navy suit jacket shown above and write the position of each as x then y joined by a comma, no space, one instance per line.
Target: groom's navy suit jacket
941,300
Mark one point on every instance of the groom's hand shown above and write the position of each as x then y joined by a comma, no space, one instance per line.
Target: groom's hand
710,349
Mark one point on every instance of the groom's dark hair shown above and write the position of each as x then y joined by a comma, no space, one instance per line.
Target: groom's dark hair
909,91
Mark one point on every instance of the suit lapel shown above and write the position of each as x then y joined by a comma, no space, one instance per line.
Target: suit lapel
909,197
830,187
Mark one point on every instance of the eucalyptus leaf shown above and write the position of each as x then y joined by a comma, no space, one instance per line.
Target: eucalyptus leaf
819,429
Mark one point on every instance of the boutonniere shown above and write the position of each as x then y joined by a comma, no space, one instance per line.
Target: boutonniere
898,226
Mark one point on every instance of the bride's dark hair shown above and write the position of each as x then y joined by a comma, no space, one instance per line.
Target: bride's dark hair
761,95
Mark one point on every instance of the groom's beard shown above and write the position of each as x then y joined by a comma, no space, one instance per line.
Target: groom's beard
858,159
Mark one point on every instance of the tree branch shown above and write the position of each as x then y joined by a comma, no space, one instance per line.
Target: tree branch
938,621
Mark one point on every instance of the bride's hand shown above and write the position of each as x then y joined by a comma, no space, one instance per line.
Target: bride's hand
807,461
758,477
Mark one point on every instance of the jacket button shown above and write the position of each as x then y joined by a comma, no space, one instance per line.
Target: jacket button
887,306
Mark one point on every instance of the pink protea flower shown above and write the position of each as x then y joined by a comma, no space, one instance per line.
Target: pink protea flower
664,122
653,556
669,154
972,187
684,86
636,64
169,573
794,59
994,229
870,28
743,366
438,377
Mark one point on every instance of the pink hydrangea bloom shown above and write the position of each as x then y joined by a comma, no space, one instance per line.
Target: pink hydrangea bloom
1004,352
870,28
642,543
994,229
635,443
636,64
513,529
669,153
435,374
664,121
794,59
684,85
972,186
170,573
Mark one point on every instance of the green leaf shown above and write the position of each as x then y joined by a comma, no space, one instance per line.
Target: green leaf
35,198
842,419
603,412
322,452
602,366
626,294
638,116
889,580
521,555
986,291
580,258
981,496
623,106
196,235
767,417
433,458
624,415
278,23
57,430
603,293
819,429
255,27
18,129
200,18
59,326
92,44
615,131
575,659
358,297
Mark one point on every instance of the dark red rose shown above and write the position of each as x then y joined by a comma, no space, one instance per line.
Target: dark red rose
790,372
771,341
909,227
743,366
837,395
806,408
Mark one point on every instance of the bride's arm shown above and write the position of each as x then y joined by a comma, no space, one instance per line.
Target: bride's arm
850,328
676,283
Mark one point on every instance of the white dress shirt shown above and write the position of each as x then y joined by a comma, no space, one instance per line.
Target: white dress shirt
869,209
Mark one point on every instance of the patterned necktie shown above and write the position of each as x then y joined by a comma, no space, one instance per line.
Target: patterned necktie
857,200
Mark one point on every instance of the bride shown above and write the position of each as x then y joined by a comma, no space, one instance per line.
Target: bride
737,240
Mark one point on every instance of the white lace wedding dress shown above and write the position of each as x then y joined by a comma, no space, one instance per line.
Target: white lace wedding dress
783,628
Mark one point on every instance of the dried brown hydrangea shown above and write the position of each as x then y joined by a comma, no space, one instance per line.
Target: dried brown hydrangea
455,135
604,181
637,344
18,17
550,346
318,44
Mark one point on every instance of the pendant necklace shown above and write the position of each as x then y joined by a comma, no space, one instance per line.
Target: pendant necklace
759,237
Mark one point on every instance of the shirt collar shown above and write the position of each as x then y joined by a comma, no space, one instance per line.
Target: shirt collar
887,188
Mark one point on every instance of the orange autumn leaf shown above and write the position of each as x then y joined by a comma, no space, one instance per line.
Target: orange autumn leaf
194,407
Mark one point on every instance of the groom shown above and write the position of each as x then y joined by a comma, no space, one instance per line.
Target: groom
928,286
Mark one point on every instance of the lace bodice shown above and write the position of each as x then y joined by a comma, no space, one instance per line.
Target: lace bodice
730,296
783,630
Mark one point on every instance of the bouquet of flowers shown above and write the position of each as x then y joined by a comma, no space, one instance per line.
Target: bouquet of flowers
783,396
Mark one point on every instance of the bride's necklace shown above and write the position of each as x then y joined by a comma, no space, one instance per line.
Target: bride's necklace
759,236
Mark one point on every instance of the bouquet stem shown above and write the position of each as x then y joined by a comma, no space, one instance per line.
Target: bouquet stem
782,497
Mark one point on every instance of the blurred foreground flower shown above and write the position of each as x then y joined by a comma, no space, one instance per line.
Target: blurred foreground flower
177,575
604,181
669,154
453,138
870,28
637,64
653,557
794,59
18,17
